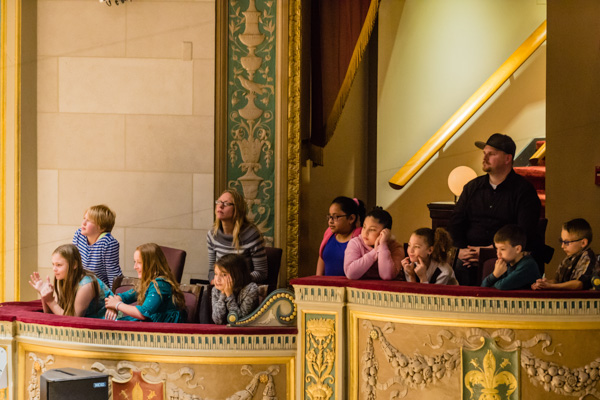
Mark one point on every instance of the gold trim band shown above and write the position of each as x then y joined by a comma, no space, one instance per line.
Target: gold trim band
3,149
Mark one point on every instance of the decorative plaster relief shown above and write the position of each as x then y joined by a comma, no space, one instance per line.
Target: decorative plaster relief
251,108
320,358
418,371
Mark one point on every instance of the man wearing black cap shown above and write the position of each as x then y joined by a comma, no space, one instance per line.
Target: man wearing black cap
489,202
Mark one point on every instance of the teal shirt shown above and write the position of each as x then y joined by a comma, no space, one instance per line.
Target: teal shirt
96,309
156,307
520,276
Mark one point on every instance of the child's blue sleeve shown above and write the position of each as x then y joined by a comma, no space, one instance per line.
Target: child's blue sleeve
153,300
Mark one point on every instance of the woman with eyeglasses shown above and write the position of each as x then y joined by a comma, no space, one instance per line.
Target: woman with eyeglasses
345,220
233,233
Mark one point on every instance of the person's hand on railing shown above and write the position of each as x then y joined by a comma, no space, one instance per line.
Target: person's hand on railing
111,314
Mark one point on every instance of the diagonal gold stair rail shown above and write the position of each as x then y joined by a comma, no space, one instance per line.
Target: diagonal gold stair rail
470,107
538,155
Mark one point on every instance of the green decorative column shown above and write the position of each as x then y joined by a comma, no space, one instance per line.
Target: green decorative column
251,108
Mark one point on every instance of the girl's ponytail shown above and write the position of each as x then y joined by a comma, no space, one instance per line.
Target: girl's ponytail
442,244
352,207
361,211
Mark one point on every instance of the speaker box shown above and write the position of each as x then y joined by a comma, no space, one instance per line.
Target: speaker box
73,384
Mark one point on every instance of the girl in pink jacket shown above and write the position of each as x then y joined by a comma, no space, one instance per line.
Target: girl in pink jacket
374,254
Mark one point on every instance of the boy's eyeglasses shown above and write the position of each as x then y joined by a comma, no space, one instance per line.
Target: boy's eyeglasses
335,217
568,242
223,203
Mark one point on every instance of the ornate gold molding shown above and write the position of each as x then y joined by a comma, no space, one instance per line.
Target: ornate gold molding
320,358
120,366
17,166
2,148
485,305
157,340
294,136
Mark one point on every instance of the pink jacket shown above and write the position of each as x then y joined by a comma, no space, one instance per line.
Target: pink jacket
362,261
328,233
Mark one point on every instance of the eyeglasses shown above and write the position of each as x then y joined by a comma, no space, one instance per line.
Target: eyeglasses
568,242
223,203
335,217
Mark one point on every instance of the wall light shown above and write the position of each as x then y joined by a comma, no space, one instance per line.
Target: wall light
458,178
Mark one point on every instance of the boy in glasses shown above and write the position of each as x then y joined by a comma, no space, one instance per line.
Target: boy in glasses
514,269
578,267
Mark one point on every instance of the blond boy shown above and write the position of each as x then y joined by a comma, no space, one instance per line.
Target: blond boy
99,249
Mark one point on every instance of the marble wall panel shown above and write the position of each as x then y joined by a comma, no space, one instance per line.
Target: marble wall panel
169,143
125,86
47,196
81,141
158,29
157,200
193,241
80,28
52,236
204,201
49,238
204,87
47,84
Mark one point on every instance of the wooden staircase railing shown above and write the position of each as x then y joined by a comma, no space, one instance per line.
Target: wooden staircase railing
466,111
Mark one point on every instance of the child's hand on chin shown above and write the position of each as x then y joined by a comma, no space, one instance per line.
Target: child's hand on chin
228,286
500,268
409,267
421,269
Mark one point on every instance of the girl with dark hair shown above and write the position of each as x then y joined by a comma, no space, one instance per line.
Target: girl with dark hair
345,219
427,260
233,290
157,293
233,233
76,291
374,254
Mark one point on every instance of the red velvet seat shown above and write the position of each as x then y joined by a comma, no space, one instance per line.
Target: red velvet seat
176,260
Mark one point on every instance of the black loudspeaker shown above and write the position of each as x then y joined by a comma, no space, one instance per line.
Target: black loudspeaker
73,384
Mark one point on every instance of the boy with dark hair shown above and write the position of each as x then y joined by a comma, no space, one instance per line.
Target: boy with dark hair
513,269
576,269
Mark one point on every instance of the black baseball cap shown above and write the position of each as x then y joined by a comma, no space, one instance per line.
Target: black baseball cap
501,142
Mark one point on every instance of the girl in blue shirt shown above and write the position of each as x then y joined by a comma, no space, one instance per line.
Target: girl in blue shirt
345,220
75,291
157,294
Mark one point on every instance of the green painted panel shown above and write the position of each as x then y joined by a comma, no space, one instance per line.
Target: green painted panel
251,108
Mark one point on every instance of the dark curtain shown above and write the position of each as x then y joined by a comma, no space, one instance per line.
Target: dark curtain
340,30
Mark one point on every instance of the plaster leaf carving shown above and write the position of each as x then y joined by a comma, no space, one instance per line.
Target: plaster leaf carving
416,371
474,336
38,367
578,382
262,377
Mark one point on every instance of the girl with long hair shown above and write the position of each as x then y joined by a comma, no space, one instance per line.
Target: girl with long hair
233,233
157,293
428,257
75,291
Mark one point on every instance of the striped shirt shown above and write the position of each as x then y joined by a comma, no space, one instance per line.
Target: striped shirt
102,257
252,246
